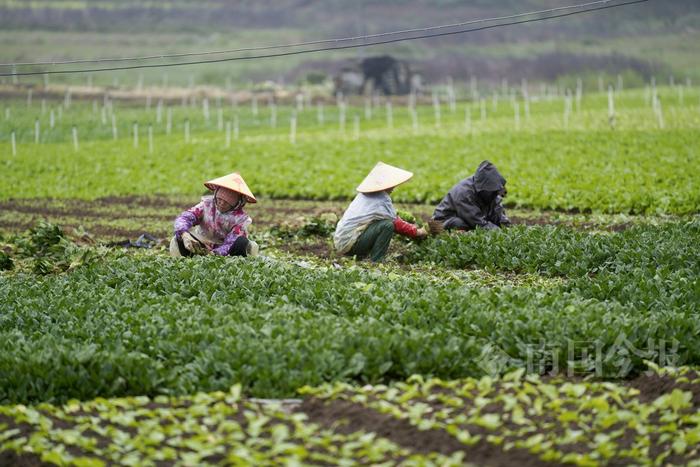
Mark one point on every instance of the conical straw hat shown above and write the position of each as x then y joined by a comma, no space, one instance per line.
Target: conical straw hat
233,182
382,177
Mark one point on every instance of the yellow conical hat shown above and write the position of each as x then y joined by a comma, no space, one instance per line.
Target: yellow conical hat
382,177
233,182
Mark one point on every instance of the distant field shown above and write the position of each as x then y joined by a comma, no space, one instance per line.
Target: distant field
638,41
635,57
647,162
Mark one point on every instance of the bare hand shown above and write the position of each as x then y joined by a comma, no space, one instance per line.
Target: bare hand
193,245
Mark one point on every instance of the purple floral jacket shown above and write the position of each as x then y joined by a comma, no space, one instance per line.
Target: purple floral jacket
218,231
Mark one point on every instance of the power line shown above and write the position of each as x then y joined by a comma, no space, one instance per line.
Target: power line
316,42
340,47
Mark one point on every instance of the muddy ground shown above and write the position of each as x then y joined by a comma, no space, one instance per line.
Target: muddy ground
120,218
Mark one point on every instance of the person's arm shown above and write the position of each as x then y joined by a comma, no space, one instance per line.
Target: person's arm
500,214
407,229
225,248
188,219
469,212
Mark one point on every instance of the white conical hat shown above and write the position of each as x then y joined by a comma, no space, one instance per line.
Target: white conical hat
233,182
382,177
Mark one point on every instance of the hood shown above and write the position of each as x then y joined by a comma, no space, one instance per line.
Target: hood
487,178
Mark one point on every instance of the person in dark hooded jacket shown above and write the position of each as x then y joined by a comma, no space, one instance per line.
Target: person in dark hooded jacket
475,201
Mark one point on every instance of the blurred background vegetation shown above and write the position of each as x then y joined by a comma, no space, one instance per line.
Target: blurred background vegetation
657,38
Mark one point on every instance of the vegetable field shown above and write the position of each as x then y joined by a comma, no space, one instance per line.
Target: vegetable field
644,162
570,338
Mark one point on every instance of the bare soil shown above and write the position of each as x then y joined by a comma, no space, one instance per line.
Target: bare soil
652,386
154,214
347,417
10,458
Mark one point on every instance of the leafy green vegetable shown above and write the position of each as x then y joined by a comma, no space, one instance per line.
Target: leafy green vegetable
46,249
153,325
583,423
637,168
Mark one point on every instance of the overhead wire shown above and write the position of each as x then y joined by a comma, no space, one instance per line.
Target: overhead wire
306,43
339,47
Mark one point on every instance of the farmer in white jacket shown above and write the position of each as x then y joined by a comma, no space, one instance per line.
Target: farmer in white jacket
369,223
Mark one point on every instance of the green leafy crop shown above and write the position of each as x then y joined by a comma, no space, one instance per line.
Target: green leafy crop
636,167
149,325
557,420
44,249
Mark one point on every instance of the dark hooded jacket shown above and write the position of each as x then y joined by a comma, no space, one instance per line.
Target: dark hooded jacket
463,201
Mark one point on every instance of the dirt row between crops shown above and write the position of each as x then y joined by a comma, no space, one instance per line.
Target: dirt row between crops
128,207
101,221
268,214
347,417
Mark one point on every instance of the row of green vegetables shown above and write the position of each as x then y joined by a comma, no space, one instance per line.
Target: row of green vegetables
149,325
217,428
584,423
628,171
647,267
564,251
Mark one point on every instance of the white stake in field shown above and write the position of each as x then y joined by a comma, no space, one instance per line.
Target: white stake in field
341,117
169,121
611,107
75,138
658,111
414,119
114,127
468,119
436,110
579,94
273,115
293,128
319,113
205,109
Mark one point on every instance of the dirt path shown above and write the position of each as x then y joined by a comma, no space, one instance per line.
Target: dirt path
154,213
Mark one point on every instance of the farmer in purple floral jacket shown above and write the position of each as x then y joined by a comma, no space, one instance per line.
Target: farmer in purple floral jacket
217,224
